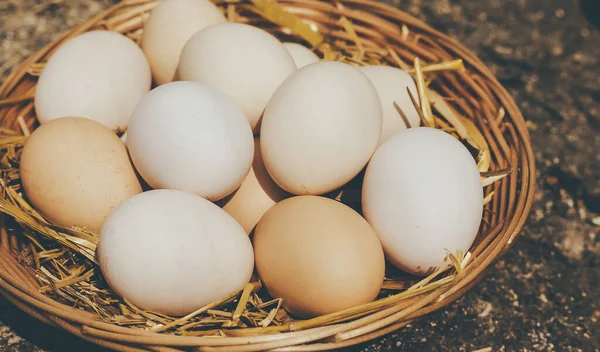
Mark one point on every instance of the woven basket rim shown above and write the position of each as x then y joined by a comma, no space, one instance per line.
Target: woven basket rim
17,281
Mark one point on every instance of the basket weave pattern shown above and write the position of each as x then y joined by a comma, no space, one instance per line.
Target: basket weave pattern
475,93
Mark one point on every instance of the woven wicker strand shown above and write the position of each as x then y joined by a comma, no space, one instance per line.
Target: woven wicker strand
474,92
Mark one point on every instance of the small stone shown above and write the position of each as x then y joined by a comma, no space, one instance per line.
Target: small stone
486,310
557,50
597,314
551,180
504,50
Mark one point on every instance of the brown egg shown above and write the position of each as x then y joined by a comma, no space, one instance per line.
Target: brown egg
256,195
75,171
319,255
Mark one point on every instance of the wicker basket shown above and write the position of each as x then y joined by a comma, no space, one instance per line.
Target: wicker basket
477,94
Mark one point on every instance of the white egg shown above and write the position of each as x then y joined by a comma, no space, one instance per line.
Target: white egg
399,113
302,55
172,252
190,137
422,194
320,128
99,75
244,62
167,29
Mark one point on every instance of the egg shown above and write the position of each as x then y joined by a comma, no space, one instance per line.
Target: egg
302,55
399,113
423,195
99,75
75,171
190,137
244,62
167,29
256,195
173,252
319,255
320,128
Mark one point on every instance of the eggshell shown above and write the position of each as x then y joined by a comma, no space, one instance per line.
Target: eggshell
423,195
256,195
172,252
99,75
318,255
302,55
167,29
190,137
399,113
75,171
244,62
320,128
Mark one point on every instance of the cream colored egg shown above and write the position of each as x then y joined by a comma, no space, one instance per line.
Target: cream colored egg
172,252
320,128
399,113
302,55
256,195
99,75
244,62
319,255
422,194
169,27
75,171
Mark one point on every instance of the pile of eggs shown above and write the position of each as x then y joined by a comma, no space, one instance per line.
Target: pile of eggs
242,135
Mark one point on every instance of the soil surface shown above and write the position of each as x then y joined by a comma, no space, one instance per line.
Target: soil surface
544,294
